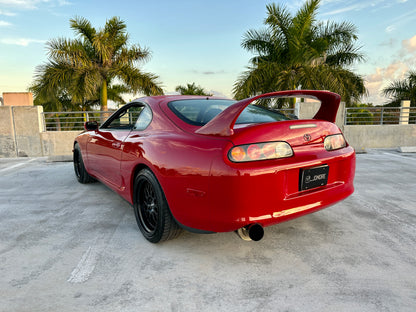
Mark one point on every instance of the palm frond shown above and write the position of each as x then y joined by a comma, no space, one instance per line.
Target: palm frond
68,51
82,27
346,54
278,20
257,41
133,55
304,18
138,81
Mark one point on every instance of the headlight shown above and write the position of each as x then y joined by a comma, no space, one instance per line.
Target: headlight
334,142
260,151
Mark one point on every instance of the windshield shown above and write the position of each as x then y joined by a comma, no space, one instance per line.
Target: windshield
199,112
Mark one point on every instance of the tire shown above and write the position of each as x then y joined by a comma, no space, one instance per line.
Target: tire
151,209
79,168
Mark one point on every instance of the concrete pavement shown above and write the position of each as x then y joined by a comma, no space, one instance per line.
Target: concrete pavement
71,247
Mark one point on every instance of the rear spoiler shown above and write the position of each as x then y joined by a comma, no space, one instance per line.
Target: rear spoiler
223,123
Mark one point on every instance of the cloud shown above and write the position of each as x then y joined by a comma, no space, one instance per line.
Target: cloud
208,72
24,4
355,6
4,24
378,80
6,13
396,70
400,20
213,72
20,41
32,4
338,6
391,42
409,45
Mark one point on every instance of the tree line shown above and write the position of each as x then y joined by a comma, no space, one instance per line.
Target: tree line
289,52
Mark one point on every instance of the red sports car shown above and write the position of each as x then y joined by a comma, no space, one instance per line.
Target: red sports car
208,164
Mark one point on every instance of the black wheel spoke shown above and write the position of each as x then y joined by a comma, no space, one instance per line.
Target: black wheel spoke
148,207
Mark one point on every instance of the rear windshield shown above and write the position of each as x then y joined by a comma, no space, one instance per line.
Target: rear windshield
198,112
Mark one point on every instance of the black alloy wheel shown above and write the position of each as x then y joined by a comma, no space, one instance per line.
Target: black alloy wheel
151,209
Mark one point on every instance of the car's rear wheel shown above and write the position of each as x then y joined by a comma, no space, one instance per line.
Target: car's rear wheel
79,168
151,209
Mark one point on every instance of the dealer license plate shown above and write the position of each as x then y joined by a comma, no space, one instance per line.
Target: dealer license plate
313,177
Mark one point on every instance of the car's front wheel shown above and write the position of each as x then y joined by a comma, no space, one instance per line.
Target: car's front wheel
151,209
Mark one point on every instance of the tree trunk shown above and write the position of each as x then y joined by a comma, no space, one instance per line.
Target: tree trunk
103,96
103,102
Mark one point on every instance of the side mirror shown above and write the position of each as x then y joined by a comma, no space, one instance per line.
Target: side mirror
91,125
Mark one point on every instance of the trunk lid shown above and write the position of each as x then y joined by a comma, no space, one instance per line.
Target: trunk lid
294,132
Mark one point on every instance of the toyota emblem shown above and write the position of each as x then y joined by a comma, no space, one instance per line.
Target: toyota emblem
307,137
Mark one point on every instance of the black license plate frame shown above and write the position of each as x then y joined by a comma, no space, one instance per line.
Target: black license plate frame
310,178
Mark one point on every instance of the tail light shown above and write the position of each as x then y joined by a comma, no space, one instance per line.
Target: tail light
334,142
260,151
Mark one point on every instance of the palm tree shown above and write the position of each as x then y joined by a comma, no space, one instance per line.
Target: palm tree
52,102
400,90
85,67
191,89
297,51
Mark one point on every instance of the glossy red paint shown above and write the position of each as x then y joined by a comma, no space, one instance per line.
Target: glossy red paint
207,192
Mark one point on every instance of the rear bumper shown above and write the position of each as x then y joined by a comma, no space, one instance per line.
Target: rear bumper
239,195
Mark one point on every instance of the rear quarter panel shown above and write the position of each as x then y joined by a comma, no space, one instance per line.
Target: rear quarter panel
182,165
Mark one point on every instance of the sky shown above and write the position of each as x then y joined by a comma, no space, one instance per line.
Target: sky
200,41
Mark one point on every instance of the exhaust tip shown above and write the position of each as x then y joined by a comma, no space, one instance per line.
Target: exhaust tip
255,232
252,232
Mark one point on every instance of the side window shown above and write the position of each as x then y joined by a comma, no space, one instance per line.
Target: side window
144,119
125,119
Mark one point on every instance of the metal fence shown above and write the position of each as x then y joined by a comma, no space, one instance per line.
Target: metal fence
74,121
289,112
71,121
380,115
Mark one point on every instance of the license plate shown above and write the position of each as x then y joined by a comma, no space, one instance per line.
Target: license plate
313,177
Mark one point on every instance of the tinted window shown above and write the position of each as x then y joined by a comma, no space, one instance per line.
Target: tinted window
144,119
259,114
200,111
136,116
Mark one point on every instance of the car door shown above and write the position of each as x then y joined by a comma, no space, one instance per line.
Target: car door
106,144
